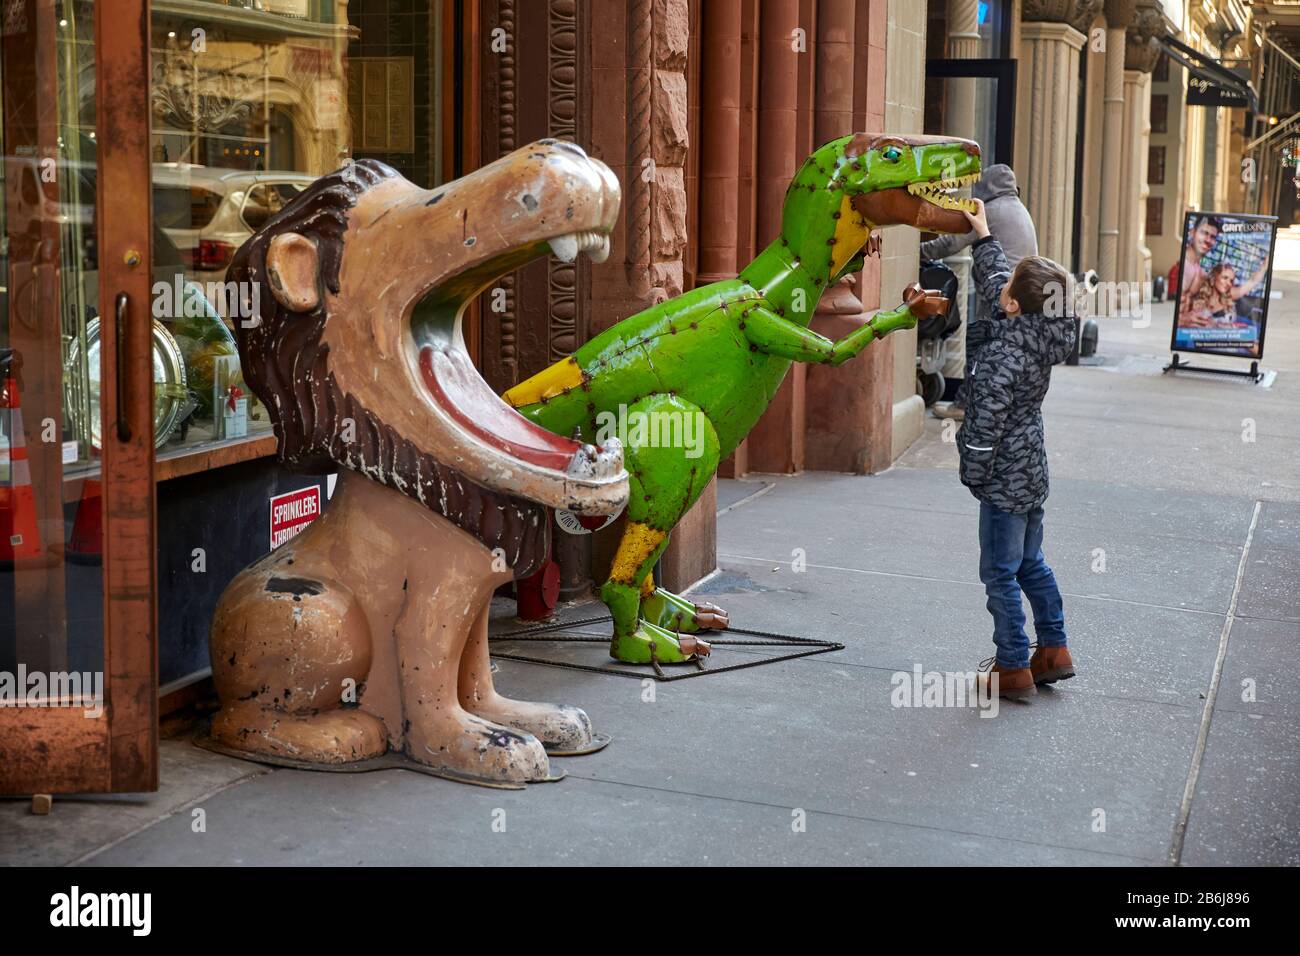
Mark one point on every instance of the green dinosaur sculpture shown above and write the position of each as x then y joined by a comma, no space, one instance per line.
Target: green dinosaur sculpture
712,359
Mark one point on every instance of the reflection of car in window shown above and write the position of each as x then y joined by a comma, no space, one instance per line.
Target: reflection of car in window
208,212
265,200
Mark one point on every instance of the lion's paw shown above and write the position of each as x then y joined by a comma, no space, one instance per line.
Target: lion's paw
561,729
469,746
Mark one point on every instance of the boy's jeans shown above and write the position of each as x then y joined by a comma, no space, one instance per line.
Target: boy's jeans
1011,559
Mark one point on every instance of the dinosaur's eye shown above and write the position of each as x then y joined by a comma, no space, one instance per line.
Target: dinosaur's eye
892,154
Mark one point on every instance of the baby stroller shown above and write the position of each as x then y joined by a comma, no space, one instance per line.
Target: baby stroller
932,332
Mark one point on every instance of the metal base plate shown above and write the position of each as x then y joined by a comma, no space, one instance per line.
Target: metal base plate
554,632
598,742
389,761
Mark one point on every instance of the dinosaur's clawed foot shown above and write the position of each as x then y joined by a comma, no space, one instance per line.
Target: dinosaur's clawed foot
651,644
676,613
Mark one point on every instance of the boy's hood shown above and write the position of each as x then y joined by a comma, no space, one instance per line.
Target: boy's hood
995,182
1046,340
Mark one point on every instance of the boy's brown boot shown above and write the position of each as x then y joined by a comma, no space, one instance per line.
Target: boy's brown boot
1050,664
1014,683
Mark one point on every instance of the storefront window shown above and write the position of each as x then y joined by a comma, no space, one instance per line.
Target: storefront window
248,108
251,102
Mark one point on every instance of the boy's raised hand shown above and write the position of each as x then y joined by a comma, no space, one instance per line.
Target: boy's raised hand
978,220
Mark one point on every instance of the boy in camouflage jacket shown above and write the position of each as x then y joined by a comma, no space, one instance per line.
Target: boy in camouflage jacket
1004,463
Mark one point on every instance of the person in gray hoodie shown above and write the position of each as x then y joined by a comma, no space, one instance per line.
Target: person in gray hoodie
1010,223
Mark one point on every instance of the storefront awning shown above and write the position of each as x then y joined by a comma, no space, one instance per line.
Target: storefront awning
1211,83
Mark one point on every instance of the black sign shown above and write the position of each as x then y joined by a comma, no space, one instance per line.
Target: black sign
1212,82
1209,91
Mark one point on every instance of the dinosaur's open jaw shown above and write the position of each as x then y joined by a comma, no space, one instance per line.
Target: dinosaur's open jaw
930,206
942,193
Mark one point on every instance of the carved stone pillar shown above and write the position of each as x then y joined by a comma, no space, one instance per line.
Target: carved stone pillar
727,210
692,552
1048,116
1119,14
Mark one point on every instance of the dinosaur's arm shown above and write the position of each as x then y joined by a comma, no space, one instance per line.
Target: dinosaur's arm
777,336
770,333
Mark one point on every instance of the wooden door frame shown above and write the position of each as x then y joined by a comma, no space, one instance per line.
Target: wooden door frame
62,749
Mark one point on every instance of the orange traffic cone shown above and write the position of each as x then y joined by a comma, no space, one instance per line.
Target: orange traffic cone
19,538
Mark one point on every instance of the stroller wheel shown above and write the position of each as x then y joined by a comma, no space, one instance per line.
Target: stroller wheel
930,385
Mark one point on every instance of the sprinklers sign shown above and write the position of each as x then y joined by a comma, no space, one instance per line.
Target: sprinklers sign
293,511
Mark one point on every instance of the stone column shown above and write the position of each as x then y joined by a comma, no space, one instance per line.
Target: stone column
776,443
638,120
963,44
959,120
1119,14
1134,256
692,552
1140,54
904,64
1048,117
720,111
849,409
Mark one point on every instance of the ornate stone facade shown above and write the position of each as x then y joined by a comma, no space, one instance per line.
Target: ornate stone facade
1078,14
1140,47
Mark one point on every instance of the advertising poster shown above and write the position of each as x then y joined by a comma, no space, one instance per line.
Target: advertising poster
1221,306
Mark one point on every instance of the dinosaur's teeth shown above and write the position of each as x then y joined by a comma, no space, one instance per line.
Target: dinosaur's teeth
942,192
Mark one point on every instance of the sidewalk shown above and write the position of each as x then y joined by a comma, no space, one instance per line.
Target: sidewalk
1199,532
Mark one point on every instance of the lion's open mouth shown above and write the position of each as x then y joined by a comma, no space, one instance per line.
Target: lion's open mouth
466,399
461,392
943,193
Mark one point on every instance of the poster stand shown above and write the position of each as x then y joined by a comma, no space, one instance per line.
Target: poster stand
1176,363
1231,255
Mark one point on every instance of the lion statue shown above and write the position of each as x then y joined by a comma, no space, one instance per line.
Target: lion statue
365,636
